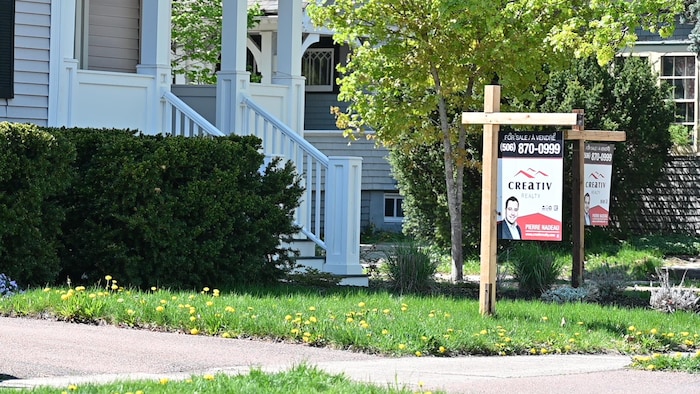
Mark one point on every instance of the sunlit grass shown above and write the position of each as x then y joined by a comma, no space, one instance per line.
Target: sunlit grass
668,362
376,322
300,379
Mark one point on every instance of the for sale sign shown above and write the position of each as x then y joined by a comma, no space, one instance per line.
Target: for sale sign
597,169
530,185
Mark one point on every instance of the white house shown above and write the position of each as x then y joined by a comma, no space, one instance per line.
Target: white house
106,64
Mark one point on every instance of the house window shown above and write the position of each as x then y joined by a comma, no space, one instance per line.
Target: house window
393,207
317,67
679,73
7,48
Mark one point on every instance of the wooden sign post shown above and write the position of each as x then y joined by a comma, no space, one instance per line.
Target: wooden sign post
491,118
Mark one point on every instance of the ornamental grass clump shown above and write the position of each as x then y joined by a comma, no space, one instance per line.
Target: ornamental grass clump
409,268
535,268
670,298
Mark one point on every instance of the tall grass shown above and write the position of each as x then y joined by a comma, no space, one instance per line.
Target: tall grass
535,268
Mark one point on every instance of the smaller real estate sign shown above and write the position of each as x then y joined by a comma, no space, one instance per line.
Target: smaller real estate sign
530,185
597,169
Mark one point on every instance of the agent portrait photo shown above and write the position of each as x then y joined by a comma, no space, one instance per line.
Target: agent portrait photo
508,228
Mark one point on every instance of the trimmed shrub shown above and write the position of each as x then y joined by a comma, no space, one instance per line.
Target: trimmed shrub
177,212
34,171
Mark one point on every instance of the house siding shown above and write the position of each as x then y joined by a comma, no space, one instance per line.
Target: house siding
31,74
113,35
317,114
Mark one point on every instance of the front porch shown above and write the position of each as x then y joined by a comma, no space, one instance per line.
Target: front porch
329,214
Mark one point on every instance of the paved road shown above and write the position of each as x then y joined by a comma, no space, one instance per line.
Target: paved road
43,352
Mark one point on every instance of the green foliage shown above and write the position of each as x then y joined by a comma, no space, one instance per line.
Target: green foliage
566,294
409,268
174,211
196,38
623,97
680,135
668,362
34,171
420,172
535,268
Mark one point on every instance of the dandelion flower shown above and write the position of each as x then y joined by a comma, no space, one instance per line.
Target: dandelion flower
312,308
108,277
418,353
442,349
651,367
386,311
361,304
483,332
163,380
206,289
313,319
194,331
385,332
653,331
288,318
402,346
226,335
72,387
208,377
631,328
160,308
543,351
545,318
153,288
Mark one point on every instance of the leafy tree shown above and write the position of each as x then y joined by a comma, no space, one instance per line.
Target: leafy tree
623,97
196,37
416,65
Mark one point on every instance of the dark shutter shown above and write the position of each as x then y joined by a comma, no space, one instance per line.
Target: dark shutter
7,48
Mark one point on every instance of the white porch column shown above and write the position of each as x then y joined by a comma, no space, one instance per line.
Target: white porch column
62,63
155,57
233,79
289,54
342,215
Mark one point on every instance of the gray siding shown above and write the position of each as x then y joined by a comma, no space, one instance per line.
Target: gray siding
202,98
31,101
317,114
113,35
376,172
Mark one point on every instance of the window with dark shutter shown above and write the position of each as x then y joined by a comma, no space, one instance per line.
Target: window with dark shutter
7,48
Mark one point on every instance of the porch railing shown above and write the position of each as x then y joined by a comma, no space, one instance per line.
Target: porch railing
181,120
279,140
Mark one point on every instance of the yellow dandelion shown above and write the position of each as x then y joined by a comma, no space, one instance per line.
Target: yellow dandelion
688,342
349,320
653,331
418,353
163,302
312,308
580,323
226,335
295,331
651,367
447,315
567,348
533,351
431,314
313,319
72,387
684,333
543,351
231,309
210,303
670,335
385,332
361,304
206,289
130,312
108,277
483,332
153,288
115,287
216,292
507,339
442,349
160,308
545,318
193,318
47,289
208,377
386,311
194,331
631,328
92,295
402,346
288,318
80,288
163,380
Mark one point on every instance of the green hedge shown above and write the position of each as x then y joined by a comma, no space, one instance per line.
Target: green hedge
34,171
166,211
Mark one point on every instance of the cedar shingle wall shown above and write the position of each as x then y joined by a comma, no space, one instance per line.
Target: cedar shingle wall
673,204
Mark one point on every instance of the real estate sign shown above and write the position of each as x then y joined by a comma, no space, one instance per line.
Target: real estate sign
597,169
530,185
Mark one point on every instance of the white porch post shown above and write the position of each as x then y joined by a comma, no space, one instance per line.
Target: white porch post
289,54
155,58
233,79
62,63
342,215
